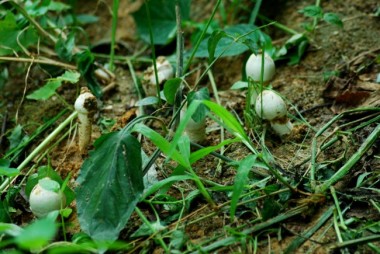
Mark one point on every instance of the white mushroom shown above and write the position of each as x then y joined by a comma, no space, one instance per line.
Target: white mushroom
270,106
165,71
195,130
253,70
86,106
43,201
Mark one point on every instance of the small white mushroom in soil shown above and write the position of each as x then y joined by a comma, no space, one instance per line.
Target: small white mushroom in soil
195,130
165,71
43,201
86,106
253,69
270,106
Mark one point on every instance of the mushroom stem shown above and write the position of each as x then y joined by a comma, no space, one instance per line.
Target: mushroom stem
86,106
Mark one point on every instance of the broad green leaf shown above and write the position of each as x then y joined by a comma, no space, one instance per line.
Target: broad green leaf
37,235
12,35
201,111
110,184
332,18
184,147
312,11
170,89
293,49
240,181
46,91
235,41
4,213
163,20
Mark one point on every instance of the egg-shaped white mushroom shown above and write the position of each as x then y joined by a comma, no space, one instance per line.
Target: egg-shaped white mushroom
43,201
254,65
271,107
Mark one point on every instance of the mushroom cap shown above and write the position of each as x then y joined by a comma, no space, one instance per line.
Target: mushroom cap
84,102
44,201
271,105
253,67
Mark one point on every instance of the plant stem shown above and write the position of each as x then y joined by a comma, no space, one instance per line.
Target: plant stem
255,11
200,39
39,148
153,51
352,161
145,220
278,25
337,206
115,9
38,60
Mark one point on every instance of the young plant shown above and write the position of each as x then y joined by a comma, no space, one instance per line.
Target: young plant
270,106
86,106
46,197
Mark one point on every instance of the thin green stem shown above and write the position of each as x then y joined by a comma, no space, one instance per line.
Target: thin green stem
115,10
337,206
255,11
159,238
39,148
278,25
200,39
153,51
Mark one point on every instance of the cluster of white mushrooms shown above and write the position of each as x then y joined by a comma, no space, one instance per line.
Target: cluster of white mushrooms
268,104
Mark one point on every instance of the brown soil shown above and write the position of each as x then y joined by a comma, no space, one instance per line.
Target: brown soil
352,51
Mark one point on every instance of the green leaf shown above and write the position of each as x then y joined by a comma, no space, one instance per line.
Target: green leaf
110,184
167,181
240,181
70,76
64,47
170,89
239,85
332,18
213,41
163,20
85,62
201,153
37,235
201,111
6,170
4,212
151,100
12,35
17,137
312,11
46,91
162,143
228,45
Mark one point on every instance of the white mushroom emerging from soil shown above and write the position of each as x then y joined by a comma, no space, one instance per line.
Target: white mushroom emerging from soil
43,201
270,106
86,106
253,69
165,71
196,130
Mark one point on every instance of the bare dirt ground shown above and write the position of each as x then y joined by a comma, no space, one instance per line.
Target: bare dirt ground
353,51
